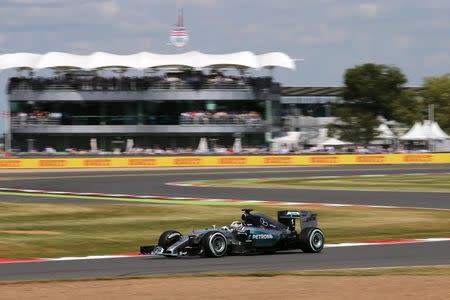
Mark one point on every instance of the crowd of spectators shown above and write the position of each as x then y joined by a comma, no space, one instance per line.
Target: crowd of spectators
35,117
189,79
222,150
220,117
194,117
48,150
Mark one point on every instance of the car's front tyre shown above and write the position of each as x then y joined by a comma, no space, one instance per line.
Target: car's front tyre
168,238
312,240
214,244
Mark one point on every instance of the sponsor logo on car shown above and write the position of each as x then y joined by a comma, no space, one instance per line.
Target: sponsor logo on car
293,214
262,236
263,222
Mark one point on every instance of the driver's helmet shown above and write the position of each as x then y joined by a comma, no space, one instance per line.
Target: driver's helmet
236,225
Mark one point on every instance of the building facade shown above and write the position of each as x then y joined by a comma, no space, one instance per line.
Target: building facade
70,111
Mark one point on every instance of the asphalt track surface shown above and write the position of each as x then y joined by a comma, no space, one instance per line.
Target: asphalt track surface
153,182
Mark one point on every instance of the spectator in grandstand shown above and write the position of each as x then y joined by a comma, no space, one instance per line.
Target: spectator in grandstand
22,118
220,117
196,80
49,150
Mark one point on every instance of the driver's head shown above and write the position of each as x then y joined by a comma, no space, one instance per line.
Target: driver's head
236,225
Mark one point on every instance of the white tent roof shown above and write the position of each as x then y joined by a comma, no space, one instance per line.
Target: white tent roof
292,137
415,133
334,142
426,131
143,60
385,133
437,131
276,59
322,136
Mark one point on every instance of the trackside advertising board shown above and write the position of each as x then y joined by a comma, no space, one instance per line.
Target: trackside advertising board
222,161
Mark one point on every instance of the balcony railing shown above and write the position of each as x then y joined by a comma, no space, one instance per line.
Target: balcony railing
18,121
221,121
115,88
139,83
25,121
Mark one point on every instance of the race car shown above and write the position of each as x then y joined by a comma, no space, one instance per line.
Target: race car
255,233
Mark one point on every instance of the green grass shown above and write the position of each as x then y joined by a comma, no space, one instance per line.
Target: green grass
52,230
412,183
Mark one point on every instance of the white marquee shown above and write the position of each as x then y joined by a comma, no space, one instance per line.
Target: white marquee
425,131
144,60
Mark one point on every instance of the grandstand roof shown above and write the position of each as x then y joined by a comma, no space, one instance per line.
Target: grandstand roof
144,60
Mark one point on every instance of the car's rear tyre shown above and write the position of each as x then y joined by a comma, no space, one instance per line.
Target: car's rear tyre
168,238
214,244
312,240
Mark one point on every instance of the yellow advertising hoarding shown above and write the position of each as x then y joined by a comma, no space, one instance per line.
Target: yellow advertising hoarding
222,161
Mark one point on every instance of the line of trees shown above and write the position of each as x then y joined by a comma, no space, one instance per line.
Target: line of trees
373,90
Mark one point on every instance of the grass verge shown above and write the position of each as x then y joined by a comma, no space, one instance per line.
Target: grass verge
53,230
416,183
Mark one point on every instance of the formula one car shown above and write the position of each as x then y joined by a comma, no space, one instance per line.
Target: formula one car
256,233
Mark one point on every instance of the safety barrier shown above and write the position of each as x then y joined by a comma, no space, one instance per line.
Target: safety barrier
221,161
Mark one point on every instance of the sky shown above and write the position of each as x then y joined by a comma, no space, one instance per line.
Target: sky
330,35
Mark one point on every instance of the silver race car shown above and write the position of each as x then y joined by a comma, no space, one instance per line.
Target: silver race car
255,233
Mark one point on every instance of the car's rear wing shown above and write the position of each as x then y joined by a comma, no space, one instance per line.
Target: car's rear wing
307,218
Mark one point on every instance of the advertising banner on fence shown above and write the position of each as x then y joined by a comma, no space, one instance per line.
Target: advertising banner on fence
221,161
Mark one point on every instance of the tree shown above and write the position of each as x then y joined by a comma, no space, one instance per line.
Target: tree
356,126
437,91
407,108
372,90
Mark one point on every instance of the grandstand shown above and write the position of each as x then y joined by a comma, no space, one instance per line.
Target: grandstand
106,101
